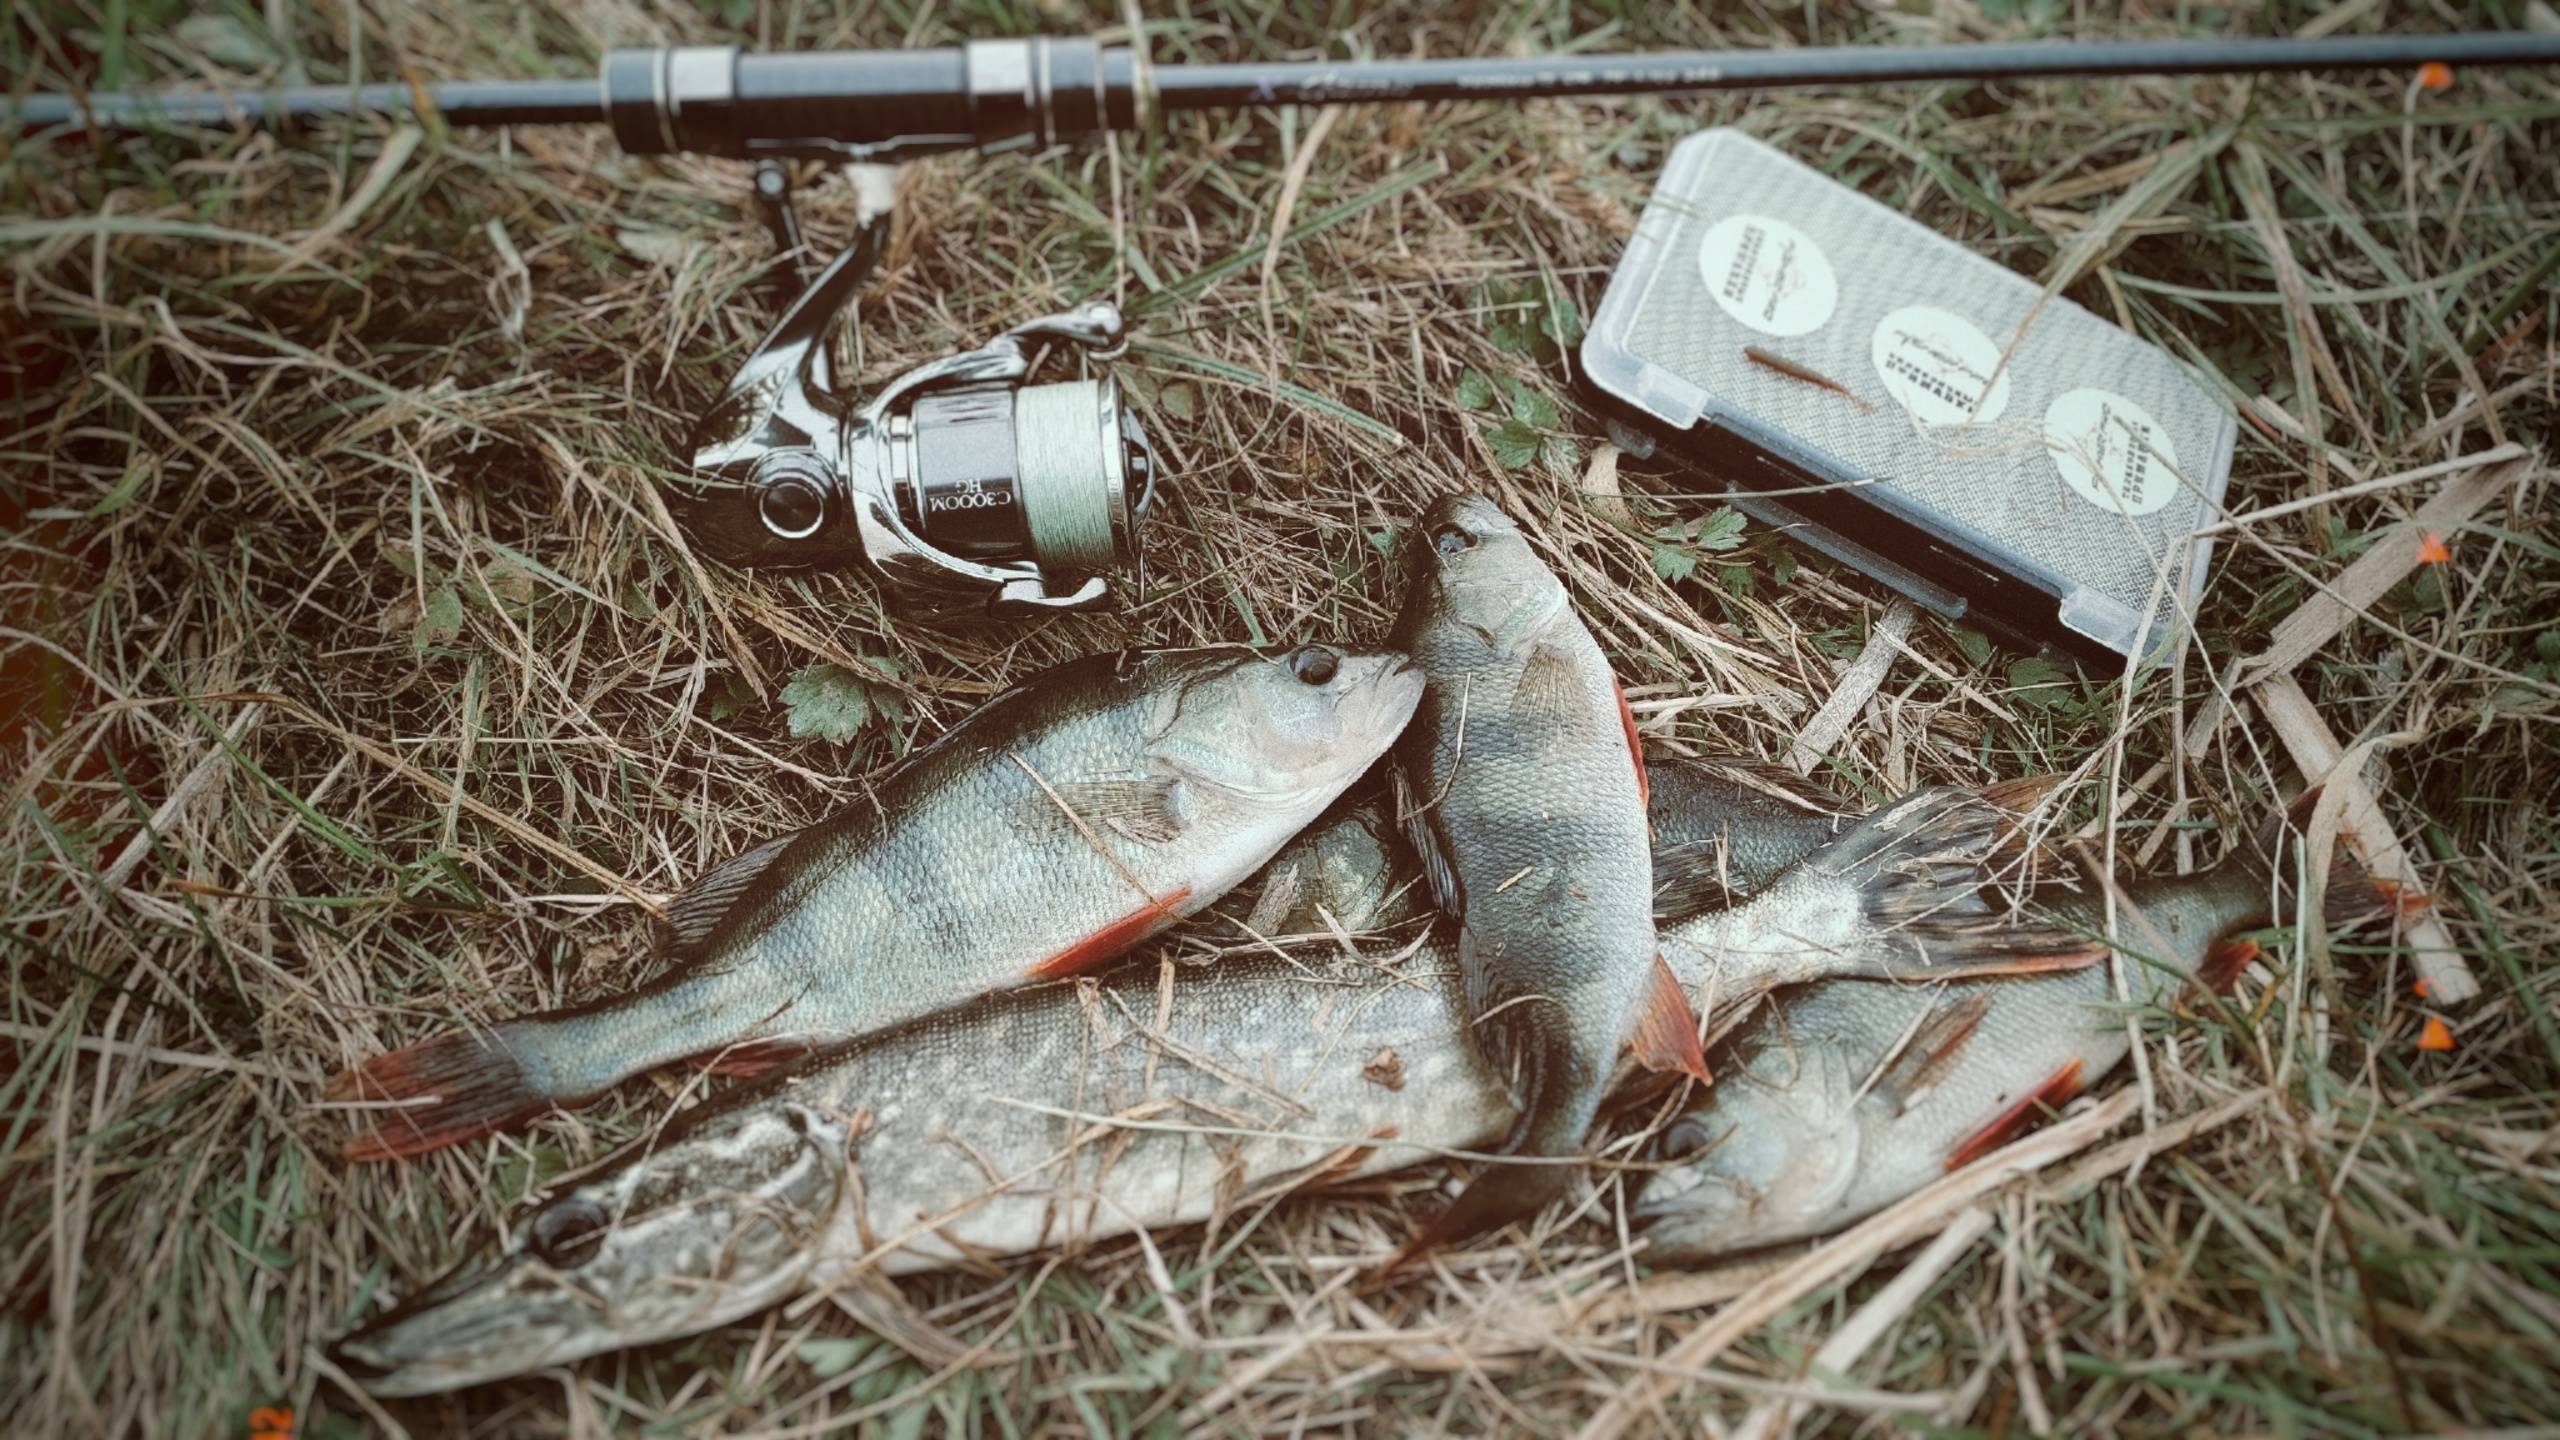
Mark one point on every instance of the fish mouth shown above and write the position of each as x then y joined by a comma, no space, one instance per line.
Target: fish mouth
443,1335
1393,694
1671,1190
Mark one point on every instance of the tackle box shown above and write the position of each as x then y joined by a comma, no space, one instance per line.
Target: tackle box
1910,408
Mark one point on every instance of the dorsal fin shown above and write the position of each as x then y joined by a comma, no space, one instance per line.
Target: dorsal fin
1775,781
697,913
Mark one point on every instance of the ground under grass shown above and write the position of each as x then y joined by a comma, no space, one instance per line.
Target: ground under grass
354,686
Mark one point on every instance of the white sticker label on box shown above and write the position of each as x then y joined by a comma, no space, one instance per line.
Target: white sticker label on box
2111,451
1768,274
1940,366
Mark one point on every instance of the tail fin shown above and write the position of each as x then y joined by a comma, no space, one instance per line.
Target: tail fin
1555,1110
1937,876
447,1090
1498,1195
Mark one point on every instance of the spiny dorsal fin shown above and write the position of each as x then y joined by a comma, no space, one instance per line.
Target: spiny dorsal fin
1146,808
697,913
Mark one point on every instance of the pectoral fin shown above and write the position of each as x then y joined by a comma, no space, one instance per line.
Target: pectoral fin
1144,808
1421,826
1550,686
753,1057
1933,1049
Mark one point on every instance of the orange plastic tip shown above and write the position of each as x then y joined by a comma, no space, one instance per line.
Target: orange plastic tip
2436,1036
2431,550
2436,75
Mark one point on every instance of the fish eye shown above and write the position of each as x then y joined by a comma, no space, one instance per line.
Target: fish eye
792,508
1449,540
1685,1139
1315,665
567,1232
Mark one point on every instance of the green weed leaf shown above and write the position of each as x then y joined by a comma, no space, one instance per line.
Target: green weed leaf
439,620
829,702
1515,446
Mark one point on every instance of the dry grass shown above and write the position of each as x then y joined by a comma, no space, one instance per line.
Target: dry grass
352,686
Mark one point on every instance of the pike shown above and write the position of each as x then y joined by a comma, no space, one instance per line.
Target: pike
1112,1109
1851,1097
1093,806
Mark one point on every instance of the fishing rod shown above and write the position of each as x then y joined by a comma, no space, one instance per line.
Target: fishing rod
959,483
996,95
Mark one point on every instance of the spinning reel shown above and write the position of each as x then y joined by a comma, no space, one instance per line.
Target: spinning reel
957,483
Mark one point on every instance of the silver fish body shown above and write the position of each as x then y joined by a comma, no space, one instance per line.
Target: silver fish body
1043,1117
1037,1119
1523,798
1723,828
1097,804
1849,1096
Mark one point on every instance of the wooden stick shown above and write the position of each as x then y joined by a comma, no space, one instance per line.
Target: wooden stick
2300,635
1858,684
2315,750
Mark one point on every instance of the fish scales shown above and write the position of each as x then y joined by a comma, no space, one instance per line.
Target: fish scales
1851,1096
979,1133
1067,819
945,1141
1523,796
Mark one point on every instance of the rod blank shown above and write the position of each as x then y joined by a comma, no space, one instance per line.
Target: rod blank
996,93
